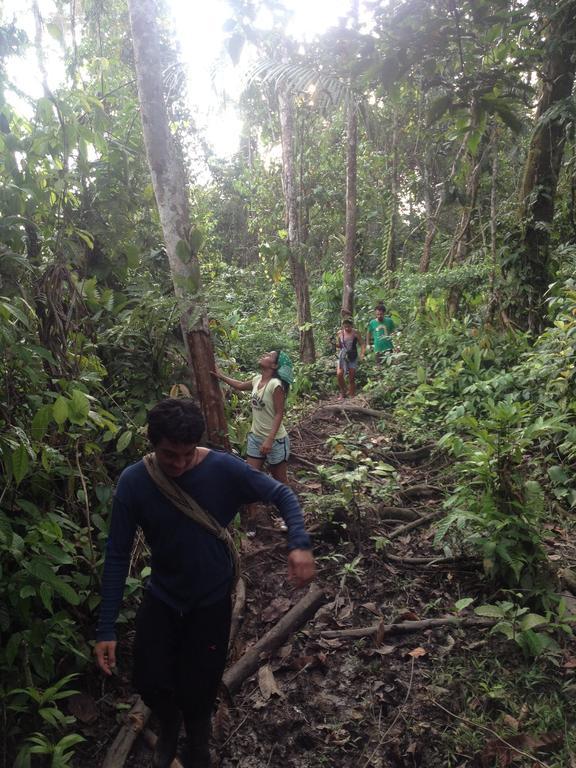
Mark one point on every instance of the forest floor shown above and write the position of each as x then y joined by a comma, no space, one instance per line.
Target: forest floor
445,696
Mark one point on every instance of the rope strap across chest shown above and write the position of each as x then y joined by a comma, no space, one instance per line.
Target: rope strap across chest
186,504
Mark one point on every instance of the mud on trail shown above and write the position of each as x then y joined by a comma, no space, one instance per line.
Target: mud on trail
397,697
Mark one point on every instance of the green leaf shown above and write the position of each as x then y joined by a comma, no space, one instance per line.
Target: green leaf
124,441
60,410
40,422
493,611
20,464
46,594
195,239
78,407
558,475
183,251
55,31
532,620
464,603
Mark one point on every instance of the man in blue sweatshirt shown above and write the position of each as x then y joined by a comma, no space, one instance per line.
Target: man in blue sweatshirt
183,623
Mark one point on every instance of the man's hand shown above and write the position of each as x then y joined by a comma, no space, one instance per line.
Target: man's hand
301,567
105,652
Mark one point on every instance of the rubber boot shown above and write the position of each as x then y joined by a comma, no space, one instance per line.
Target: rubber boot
197,751
169,721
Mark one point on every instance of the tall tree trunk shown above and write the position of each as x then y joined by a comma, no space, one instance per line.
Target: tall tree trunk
297,263
543,164
351,209
431,218
392,244
351,196
170,188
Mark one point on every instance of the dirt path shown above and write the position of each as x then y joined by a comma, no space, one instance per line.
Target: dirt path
385,701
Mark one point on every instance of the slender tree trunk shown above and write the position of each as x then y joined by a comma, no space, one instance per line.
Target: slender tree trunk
170,188
543,164
297,263
351,196
431,217
351,209
392,245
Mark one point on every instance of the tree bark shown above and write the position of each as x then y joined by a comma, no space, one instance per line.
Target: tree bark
297,263
291,622
543,165
351,210
171,191
349,261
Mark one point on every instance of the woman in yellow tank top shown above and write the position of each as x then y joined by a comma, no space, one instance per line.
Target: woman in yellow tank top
268,440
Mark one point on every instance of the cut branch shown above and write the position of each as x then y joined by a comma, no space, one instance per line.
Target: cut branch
291,622
120,748
405,627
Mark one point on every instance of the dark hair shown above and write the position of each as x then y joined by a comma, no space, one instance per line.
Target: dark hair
380,306
178,419
347,321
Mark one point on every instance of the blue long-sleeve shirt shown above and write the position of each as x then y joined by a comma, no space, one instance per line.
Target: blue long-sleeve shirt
190,566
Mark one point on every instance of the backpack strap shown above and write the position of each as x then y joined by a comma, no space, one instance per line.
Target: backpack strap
186,504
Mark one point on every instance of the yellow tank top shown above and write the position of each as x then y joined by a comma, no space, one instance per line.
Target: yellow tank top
263,410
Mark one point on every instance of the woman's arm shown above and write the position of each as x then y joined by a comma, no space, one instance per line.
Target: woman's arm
362,345
242,386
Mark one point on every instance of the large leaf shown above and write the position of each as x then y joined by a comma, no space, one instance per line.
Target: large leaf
40,422
60,410
20,464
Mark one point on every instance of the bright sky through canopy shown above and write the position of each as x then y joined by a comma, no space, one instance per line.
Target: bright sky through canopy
214,83
210,70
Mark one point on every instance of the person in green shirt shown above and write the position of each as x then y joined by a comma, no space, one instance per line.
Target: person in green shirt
380,329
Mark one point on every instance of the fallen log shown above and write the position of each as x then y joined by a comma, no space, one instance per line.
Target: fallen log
420,490
120,748
415,524
404,627
357,409
418,560
408,457
398,513
150,738
296,617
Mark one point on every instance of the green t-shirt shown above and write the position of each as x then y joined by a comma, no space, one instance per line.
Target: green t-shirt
380,332
263,410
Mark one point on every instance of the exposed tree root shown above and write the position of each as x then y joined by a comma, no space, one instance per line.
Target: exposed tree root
415,524
414,491
403,627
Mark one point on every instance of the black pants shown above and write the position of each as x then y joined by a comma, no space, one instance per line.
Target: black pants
179,658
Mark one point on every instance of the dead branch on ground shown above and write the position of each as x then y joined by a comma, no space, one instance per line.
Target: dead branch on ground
291,622
120,748
403,627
